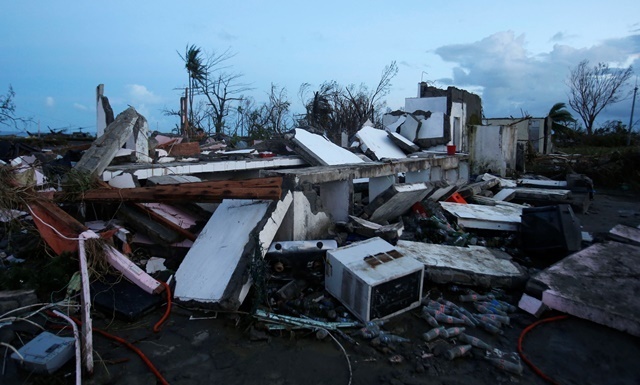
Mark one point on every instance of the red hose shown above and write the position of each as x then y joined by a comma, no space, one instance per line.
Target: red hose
158,325
131,347
521,339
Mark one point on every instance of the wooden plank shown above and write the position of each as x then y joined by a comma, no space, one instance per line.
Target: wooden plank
96,159
542,194
506,194
210,191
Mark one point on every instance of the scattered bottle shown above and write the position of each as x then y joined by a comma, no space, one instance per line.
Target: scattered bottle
429,318
474,341
433,333
490,327
440,317
385,339
452,332
458,351
512,367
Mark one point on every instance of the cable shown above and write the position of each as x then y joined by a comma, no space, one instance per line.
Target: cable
132,347
521,339
158,325
76,337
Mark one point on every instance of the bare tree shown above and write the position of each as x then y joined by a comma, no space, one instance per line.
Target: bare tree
270,119
334,109
8,109
591,89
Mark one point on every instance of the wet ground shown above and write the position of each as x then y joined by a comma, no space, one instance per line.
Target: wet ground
231,348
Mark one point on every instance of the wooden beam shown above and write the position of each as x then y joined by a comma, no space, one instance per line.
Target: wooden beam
211,191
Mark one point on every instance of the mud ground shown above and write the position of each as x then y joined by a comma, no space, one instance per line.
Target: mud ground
231,349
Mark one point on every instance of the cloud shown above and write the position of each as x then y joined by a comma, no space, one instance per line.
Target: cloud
80,107
512,79
561,36
224,35
49,101
139,94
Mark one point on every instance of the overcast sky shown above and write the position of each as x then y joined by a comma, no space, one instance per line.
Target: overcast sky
515,54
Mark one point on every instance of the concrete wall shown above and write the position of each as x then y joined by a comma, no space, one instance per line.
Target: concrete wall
492,149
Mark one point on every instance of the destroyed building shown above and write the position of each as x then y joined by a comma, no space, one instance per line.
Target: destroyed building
329,238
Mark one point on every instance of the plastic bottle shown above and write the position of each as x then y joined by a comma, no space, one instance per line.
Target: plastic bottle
440,317
429,318
452,332
458,351
386,339
474,341
490,327
468,314
512,367
433,333
467,320
503,319
472,297
371,329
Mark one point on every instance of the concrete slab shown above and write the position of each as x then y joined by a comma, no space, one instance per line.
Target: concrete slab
410,128
500,217
542,194
473,265
625,234
393,127
321,152
599,283
214,271
378,143
395,201
543,183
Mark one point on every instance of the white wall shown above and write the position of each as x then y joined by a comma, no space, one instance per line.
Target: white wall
493,148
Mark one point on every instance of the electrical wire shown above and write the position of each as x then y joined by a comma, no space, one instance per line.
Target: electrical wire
521,350
158,325
132,347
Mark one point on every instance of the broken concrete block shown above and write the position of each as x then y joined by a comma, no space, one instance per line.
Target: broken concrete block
599,283
96,159
532,305
410,128
504,218
377,144
389,233
472,266
395,201
405,144
625,234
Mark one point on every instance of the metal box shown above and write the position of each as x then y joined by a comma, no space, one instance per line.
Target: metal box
46,353
373,279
